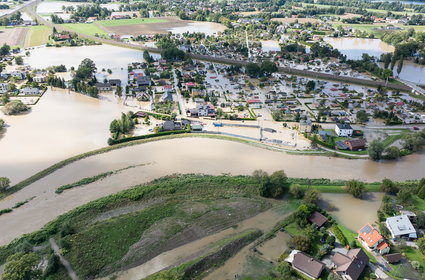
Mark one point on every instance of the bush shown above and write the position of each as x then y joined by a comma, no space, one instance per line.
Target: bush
4,183
388,186
311,196
275,185
339,235
356,188
302,243
296,191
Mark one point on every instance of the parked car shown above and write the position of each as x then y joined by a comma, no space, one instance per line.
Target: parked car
415,128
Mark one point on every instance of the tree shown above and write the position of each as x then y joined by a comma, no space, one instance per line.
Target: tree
356,188
392,152
267,67
296,191
311,196
85,70
421,244
362,116
1,123
333,276
19,60
147,57
404,196
21,266
311,85
400,66
301,243
375,150
252,69
420,220
4,183
15,107
4,50
388,186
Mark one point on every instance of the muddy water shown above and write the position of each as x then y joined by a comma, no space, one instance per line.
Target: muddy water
61,125
353,48
351,212
412,72
264,221
104,56
209,28
270,45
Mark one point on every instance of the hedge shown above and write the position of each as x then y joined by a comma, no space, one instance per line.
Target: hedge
147,136
339,235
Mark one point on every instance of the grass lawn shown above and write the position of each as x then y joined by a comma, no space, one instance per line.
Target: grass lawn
38,35
418,203
122,22
85,28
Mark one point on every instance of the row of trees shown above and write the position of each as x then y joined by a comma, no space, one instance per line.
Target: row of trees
266,68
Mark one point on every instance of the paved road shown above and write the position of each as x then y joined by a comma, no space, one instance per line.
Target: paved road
65,263
30,9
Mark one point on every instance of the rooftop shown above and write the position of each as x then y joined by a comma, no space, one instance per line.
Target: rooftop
401,225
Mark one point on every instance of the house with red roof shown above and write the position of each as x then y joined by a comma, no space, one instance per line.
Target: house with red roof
372,239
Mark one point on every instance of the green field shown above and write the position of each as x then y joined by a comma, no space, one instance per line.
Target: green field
37,35
123,22
85,28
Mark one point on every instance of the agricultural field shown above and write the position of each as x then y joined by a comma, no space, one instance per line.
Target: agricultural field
133,21
37,35
85,28
13,36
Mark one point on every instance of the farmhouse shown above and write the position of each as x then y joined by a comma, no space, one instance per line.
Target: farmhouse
343,129
355,144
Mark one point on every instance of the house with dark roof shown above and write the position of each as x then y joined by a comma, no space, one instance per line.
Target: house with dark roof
355,144
115,82
351,265
103,86
317,219
171,125
393,258
305,264
343,130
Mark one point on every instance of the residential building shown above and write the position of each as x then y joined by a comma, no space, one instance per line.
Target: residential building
317,219
171,125
103,86
30,91
115,82
206,110
143,81
401,227
305,125
39,78
351,265
305,264
372,239
393,258
4,88
343,130
355,144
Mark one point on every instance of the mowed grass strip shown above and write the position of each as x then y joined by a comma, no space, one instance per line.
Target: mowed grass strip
37,35
85,28
133,21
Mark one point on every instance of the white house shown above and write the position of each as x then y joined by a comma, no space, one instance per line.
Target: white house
39,78
4,88
343,129
30,91
401,227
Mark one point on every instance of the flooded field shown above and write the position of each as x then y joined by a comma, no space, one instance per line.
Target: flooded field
272,249
270,45
351,212
54,7
354,48
168,24
104,56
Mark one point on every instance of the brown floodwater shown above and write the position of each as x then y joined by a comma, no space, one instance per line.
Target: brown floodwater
351,212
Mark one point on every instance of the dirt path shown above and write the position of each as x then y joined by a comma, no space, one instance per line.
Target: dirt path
65,263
